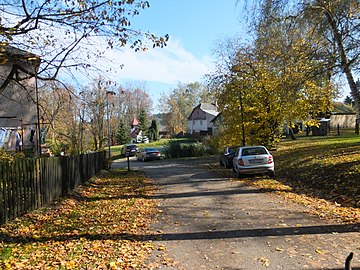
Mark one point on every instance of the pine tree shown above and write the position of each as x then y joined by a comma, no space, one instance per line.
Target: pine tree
123,133
153,131
143,122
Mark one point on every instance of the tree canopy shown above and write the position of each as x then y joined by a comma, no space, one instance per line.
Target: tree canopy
64,34
331,27
278,79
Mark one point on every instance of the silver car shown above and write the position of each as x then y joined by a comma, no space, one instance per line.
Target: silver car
253,160
148,153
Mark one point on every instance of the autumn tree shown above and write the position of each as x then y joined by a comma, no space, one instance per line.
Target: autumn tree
340,24
62,33
130,100
95,98
59,117
333,27
271,83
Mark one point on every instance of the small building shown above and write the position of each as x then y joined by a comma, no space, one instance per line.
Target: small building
323,128
199,121
18,113
343,116
135,132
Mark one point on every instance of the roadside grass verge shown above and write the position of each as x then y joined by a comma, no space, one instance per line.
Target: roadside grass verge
99,226
323,167
320,172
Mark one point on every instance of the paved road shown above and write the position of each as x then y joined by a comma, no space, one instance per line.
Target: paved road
210,222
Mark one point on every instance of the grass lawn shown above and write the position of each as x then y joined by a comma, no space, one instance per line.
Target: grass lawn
326,167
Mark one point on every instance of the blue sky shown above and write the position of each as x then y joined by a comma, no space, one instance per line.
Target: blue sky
194,26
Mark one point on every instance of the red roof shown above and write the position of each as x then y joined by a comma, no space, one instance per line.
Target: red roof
135,122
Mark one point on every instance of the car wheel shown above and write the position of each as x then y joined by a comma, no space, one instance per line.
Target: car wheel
221,164
271,174
238,174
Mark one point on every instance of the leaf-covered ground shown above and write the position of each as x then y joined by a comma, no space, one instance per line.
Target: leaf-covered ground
320,172
101,225
97,227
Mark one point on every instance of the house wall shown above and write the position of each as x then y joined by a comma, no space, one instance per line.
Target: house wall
18,101
199,121
344,121
218,124
198,125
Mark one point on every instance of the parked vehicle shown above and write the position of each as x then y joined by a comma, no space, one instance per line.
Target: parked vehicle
129,150
253,160
226,158
148,153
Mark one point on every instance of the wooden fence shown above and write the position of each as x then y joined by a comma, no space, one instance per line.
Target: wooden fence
28,184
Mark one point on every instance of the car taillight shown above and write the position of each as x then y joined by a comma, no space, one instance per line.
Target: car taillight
241,162
270,159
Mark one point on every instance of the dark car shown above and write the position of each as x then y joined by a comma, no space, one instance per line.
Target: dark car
129,150
148,153
226,158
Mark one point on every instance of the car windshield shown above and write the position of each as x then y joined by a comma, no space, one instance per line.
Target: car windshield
232,150
253,151
131,146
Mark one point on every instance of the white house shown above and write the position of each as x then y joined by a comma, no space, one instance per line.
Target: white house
199,121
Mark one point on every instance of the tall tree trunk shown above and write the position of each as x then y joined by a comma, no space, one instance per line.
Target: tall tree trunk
292,135
345,64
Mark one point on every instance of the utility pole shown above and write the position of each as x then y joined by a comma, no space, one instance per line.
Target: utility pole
108,118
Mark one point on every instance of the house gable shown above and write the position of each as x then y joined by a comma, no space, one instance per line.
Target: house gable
199,121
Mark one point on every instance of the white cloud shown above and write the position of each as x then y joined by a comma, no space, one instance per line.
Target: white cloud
169,65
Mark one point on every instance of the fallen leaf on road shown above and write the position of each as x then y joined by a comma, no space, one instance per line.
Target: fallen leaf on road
264,261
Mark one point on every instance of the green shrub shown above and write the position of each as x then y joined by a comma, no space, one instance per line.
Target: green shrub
10,156
178,149
5,157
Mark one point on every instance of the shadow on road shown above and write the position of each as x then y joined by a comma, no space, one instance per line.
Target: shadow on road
266,232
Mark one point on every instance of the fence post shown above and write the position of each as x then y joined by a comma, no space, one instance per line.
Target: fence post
2,193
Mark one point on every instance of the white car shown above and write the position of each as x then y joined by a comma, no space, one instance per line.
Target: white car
253,160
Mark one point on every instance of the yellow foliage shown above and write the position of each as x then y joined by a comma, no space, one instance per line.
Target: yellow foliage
275,88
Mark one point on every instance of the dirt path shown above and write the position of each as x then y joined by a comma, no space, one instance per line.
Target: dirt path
213,223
